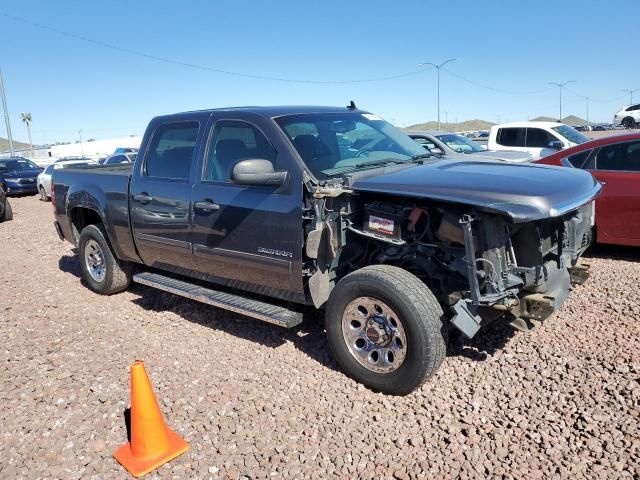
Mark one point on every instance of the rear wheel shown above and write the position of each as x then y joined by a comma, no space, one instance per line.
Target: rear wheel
628,122
43,194
385,329
101,270
8,212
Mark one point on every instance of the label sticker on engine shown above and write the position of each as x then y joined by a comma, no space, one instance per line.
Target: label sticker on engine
381,225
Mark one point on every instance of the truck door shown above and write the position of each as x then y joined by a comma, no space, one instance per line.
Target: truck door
160,195
247,236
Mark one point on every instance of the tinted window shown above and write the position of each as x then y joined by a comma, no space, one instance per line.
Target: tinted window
633,107
578,159
621,156
538,138
171,150
230,142
511,137
49,169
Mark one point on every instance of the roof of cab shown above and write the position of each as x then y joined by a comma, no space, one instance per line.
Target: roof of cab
271,111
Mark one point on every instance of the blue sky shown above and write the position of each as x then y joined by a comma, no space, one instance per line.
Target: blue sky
69,84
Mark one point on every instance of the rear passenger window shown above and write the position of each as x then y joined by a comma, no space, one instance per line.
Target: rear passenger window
232,141
171,151
511,137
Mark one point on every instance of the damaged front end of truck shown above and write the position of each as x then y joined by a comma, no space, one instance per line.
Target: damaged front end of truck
482,259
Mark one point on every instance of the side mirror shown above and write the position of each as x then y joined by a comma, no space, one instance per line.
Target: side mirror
257,172
556,145
436,150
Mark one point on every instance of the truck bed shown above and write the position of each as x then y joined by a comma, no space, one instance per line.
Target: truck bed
94,188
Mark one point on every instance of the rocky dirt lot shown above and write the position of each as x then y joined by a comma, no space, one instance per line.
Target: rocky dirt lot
256,401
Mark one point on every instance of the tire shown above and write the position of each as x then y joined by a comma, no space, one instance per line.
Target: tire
101,270
628,122
43,194
8,212
385,292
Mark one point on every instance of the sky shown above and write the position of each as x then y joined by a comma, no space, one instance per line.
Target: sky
106,68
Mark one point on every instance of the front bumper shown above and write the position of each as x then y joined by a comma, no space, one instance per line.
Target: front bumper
15,188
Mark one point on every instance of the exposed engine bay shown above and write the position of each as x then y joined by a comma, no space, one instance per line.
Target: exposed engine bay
479,264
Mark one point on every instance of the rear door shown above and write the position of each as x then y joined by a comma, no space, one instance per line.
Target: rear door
160,195
617,167
247,236
511,138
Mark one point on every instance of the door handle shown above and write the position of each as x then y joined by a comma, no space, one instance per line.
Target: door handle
142,198
206,205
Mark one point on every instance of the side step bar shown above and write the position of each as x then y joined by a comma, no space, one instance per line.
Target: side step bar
266,312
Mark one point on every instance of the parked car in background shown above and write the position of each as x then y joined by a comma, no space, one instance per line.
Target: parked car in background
615,162
537,138
125,150
628,117
5,208
18,175
119,158
451,145
44,179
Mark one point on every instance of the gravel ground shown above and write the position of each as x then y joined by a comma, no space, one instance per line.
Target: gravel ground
256,401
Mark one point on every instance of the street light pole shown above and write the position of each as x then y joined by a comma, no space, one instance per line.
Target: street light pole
631,92
6,115
561,85
438,67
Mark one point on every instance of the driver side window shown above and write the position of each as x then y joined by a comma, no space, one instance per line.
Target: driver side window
230,142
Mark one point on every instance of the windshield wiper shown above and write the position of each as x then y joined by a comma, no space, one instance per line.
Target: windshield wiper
423,155
382,161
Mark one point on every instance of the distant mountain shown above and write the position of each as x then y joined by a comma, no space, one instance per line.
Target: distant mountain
4,145
466,126
569,120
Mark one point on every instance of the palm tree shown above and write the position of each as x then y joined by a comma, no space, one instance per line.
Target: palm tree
26,118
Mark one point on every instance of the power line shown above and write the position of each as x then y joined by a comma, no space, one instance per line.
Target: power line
205,67
499,90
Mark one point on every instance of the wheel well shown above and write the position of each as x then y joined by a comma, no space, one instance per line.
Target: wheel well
81,217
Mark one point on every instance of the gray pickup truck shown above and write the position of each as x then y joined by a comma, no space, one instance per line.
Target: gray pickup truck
267,211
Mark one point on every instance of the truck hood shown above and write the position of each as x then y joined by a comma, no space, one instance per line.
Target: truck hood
28,173
524,192
504,155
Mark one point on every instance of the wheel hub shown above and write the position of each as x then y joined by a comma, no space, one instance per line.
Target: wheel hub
374,335
94,260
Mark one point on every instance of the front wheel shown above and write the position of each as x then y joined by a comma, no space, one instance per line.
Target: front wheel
101,270
385,329
628,122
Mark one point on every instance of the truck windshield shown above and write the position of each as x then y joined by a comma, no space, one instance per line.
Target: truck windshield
460,144
332,143
571,134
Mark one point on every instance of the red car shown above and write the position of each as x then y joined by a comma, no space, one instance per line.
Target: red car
615,162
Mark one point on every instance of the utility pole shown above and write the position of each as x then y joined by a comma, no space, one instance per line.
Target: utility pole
81,148
631,92
561,85
438,67
6,115
586,99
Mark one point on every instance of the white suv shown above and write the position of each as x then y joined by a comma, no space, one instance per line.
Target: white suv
628,117
538,139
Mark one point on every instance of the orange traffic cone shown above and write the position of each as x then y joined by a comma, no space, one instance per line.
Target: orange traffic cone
152,442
